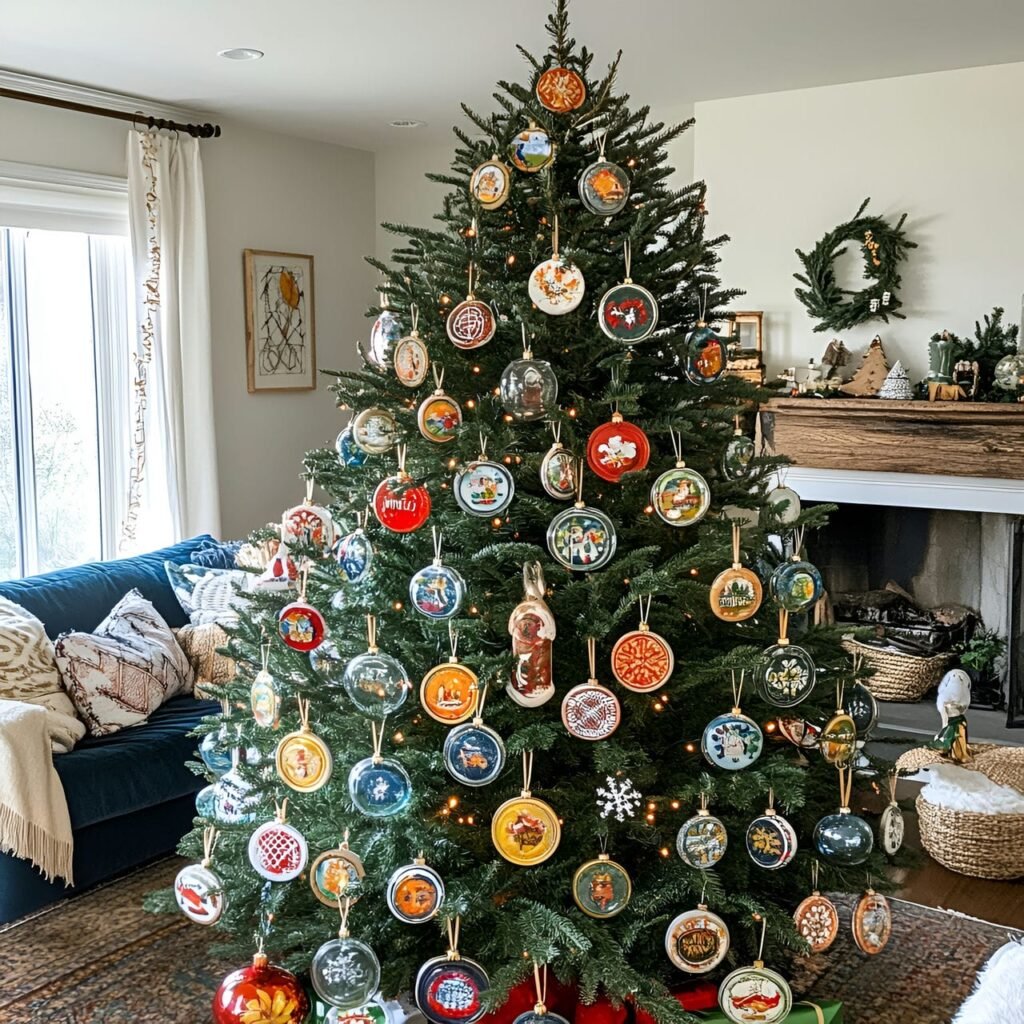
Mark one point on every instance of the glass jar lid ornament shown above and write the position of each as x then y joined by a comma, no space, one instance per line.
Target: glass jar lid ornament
838,740
302,758
415,892
471,323
739,453
771,840
872,922
785,672
540,1014
531,150
490,183
448,691
642,660
736,592
561,90
264,695
328,664
345,971
784,503
336,874
799,731
375,430
400,504
198,891
862,706
354,553
375,682
474,753
450,989
308,524
702,840
705,355
349,454
234,800
755,993
386,330
844,839
525,830
558,468
591,711
439,416
816,918
437,590
616,448
581,538
680,496
891,826
484,488
697,940
733,741
603,185
601,887
410,358
379,786
796,584
216,747
300,626
528,387
556,286
627,312
250,994
532,628
277,850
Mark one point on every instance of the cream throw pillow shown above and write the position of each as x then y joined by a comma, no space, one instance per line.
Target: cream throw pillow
28,672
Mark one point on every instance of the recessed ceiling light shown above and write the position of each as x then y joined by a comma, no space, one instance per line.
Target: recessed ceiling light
406,122
240,53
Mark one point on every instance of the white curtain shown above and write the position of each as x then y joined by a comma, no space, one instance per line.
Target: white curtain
172,486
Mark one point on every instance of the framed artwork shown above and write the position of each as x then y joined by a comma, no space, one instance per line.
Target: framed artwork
280,330
746,346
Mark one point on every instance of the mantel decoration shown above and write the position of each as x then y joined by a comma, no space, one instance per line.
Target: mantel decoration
884,246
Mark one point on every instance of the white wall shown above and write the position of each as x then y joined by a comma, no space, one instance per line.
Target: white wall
785,168
263,191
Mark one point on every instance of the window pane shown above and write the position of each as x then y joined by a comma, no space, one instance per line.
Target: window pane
8,491
63,383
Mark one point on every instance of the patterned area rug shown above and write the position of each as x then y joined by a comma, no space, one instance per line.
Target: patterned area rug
100,959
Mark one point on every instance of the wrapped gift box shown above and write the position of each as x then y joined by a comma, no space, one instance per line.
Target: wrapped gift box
824,1011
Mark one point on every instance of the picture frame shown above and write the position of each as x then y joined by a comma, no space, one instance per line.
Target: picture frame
745,333
280,321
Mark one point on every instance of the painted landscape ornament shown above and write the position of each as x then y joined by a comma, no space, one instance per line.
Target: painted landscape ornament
556,286
525,830
702,840
410,358
561,90
490,183
532,628
733,741
872,922
302,758
528,387
680,496
448,692
439,416
471,323
736,592
785,673
484,488
531,150
591,711
450,989
601,887
642,660
581,538
697,941
755,993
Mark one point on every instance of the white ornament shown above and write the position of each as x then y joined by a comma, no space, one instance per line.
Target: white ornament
873,305
886,296
955,690
620,798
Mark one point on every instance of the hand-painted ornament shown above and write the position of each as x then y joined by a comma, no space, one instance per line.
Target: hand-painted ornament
410,358
771,840
375,682
733,741
490,182
448,692
437,590
697,940
701,840
755,994
591,711
680,496
601,887
199,893
796,585
439,416
450,990
739,453
556,286
260,994
528,387
386,330
558,470
617,448
627,312
891,826
785,674
799,731
736,592
531,150
838,740
642,660
604,188
308,524
354,555
474,754
301,626
415,892
525,830
349,454
234,800
532,628
335,875
471,323
345,971
302,758
277,851
817,921
582,538
375,431
281,571
400,504
379,786
561,90
215,750
872,922
705,355
484,488
784,503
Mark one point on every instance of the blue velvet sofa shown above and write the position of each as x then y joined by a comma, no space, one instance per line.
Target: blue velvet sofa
130,795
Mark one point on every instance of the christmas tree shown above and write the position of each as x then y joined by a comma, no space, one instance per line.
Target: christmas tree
896,384
539,255
871,373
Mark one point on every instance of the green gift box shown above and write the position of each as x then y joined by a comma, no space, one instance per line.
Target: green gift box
805,1011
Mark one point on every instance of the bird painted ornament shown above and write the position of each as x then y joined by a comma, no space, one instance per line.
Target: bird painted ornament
627,312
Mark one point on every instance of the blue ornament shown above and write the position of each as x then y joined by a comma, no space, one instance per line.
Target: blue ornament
348,453
215,755
206,801
437,591
844,839
379,787
732,741
474,754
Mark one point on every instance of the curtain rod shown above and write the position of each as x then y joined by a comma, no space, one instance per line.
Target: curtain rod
139,119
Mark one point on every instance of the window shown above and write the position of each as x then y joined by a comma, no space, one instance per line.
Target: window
64,375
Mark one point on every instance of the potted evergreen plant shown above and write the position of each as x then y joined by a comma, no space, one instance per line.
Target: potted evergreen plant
979,657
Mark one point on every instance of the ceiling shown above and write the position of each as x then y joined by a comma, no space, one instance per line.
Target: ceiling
339,70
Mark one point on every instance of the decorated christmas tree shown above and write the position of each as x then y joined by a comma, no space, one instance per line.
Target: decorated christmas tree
504,707
896,384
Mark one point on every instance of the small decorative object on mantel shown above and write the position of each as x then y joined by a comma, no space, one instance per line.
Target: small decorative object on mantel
835,357
939,392
746,347
940,357
883,246
985,366
966,376
872,372
897,385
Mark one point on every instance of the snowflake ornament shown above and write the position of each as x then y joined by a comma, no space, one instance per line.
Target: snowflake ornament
620,798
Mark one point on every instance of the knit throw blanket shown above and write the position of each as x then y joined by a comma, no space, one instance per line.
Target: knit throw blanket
34,819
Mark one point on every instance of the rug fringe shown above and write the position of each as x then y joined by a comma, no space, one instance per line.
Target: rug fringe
23,838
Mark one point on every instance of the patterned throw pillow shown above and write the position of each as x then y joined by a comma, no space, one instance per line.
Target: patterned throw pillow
200,645
208,595
125,670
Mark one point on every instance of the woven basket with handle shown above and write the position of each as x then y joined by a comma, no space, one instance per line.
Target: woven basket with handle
900,678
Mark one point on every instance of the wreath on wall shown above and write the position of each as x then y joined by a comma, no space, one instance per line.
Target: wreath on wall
884,247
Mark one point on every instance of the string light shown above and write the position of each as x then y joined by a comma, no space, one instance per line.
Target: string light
651,805
510,259
453,802
664,851
445,812
648,509
507,418
690,748
476,369
674,805
650,819
496,522
446,300
452,463
473,610
631,162
572,413
399,737
397,605
770,726
695,571
470,403
658,706
471,820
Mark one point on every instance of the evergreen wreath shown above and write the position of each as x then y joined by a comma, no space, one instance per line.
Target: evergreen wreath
883,247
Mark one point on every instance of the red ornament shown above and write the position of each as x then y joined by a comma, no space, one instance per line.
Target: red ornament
617,448
301,626
401,505
642,660
260,994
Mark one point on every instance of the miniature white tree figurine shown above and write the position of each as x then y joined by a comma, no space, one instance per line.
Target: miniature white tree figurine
897,384
871,374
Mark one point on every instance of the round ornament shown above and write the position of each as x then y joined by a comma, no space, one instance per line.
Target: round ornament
556,287
862,707
260,993
474,754
525,830
701,841
448,692
451,991
591,711
490,182
785,505
680,496
411,360
891,828
582,538
439,418
628,312
437,591
349,454
303,761
604,188
736,594
376,683
705,355
334,874
234,801
642,660
697,941
354,555
785,674
345,972
771,841
375,431
732,741
817,921
755,994
386,330
616,448
415,893
400,504
844,839
531,150
484,488
308,524
561,90
277,851
799,731
558,473
872,922
199,894
215,751
739,453
838,740
1009,372
327,662
379,787
601,887
470,324
796,585
528,389
206,802
301,626
533,1017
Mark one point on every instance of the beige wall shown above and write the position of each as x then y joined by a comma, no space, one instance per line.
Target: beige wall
263,191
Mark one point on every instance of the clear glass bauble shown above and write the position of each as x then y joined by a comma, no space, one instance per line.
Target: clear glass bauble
484,488
796,585
327,662
206,801
844,839
528,389
376,683
437,591
1009,372
379,787
345,972
215,751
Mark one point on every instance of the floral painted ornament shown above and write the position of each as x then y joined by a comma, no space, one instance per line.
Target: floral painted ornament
474,754
471,323
736,592
531,150
525,830
642,660
785,673
680,496
437,590
278,851
439,416
335,874
345,971
581,538
601,887
617,448
561,90
816,918
556,287
260,994
415,892
591,711
702,840
733,741
532,628
771,839
302,758
198,891
490,183
450,989
448,691
410,358
697,941
627,312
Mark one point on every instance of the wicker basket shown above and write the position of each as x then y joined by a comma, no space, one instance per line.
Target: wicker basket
978,845
902,678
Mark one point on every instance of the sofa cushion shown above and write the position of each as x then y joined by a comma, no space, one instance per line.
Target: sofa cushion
107,776
78,598
209,595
